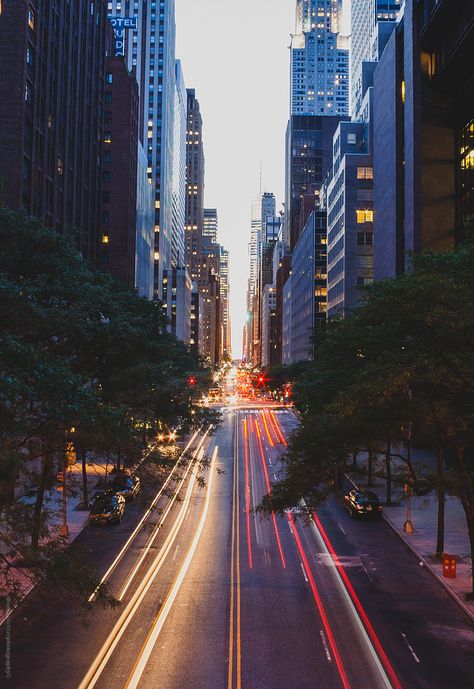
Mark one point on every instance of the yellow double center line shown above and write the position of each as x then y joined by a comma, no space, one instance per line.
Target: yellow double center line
234,621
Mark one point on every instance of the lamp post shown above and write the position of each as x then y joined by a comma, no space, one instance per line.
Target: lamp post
64,530
69,457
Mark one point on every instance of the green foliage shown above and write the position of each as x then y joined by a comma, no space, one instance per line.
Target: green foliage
78,350
403,360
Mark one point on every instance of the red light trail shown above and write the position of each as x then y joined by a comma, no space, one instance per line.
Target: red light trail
247,493
355,599
267,482
319,603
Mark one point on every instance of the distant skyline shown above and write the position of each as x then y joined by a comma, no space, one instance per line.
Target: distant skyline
236,57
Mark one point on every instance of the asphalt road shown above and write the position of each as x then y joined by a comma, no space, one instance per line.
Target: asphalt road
219,597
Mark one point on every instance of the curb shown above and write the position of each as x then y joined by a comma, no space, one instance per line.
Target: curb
426,564
7,615
431,569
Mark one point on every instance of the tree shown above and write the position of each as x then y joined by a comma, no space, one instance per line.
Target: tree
78,350
404,359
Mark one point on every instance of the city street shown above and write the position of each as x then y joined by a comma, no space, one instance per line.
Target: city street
237,344
219,597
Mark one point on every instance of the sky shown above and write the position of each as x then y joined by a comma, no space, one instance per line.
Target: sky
235,54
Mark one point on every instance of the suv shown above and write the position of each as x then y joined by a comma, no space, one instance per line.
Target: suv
362,503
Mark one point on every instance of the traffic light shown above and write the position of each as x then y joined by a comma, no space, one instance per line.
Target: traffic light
192,380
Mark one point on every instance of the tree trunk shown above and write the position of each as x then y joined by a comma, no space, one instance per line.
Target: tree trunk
388,473
468,506
441,500
43,484
370,470
467,501
85,485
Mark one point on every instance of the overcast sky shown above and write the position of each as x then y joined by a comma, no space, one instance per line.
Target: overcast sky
235,54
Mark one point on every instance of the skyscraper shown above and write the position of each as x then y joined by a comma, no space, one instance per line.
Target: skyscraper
308,158
178,258
364,16
203,256
209,232
150,51
311,12
118,236
349,194
195,164
319,67
225,302
263,212
424,134
52,102
254,245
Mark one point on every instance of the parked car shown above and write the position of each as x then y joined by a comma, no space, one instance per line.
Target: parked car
362,503
128,486
108,508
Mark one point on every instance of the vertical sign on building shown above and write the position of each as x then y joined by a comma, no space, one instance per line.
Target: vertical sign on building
120,25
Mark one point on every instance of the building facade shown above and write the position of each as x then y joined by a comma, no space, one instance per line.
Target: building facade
178,219
350,217
149,46
178,291
319,61
268,326
423,164
225,303
364,16
52,104
118,235
309,288
210,225
195,165
308,158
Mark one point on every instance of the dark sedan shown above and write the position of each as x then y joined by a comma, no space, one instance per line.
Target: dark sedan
108,508
363,503
128,486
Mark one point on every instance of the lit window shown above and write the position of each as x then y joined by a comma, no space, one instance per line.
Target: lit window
365,173
105,239
107,137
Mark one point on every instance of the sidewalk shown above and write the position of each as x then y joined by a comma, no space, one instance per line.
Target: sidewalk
422,541
76,519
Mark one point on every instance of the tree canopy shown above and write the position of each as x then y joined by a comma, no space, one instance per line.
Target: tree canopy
80,353
401,364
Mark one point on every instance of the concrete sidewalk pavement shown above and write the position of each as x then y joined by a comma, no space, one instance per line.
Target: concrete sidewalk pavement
97,470
424,514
